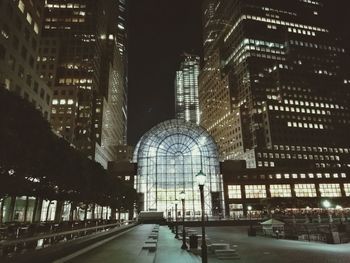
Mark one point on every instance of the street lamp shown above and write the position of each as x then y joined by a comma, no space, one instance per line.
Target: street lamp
182,197
327,205
200,178
176,226
249,208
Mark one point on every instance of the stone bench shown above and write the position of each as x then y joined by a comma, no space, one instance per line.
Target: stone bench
153,236
151,241
219,246
150,246
226,254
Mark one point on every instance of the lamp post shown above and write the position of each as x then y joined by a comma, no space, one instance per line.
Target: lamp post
340,208
327,205
176,226
249,208
184,245
201,177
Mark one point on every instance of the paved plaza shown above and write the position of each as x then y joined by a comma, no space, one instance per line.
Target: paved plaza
128,248
261,249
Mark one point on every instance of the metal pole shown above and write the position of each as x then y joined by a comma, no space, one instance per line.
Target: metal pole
184,245
176,226
204,243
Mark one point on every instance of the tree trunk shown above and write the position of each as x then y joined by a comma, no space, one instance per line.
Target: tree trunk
26,209
113,213
86,211
93,211
106,212
47,211
71,211
36,203
2,209
58,213
11,209
101,213
119,214
37,209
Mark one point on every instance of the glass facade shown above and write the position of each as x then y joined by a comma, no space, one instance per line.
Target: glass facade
169,156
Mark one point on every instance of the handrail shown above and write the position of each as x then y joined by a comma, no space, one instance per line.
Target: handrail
64,233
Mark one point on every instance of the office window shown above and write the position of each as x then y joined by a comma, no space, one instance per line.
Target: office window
347,189
234,191
305,190
280,190
330,190
21,6
255,191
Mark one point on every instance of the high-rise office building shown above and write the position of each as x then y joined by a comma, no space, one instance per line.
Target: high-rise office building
83,57
20,27
186,89
272,90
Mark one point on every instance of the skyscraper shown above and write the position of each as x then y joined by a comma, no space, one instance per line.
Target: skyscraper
20,28
272,90
186,89
84,58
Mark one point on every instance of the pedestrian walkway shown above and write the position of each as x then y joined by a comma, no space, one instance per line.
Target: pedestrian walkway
129,247
169,249
125,248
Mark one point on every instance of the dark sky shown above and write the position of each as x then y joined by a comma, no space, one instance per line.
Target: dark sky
159,32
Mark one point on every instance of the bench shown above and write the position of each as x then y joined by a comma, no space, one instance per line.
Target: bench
150,246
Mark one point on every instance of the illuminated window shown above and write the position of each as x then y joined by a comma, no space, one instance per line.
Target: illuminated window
305,190
36,28
234,191
21,6
330,190
62,101
255,191
70,102
54,102
280,190
347,189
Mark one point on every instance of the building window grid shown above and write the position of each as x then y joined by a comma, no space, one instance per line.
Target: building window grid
255,191
234,191
347,189
280,190
305,190
330,190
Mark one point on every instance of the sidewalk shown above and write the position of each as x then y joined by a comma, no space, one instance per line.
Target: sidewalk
169,249
126,248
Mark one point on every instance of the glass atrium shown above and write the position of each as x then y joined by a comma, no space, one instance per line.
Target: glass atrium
169,156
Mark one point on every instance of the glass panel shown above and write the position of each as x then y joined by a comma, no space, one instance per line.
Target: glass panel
169,156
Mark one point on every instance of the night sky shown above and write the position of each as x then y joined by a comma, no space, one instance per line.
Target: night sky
159,32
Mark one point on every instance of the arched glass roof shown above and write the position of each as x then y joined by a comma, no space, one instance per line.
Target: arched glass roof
168,157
